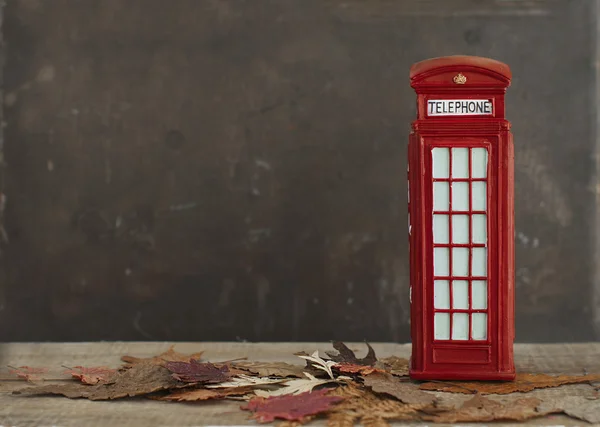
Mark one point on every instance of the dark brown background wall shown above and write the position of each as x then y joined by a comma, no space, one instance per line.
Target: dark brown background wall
229,169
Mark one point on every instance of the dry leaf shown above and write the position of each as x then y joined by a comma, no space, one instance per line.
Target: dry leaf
373,421
351,368
341,419
522,383
168,356
296,386
586,408
28,373
196,372
319,363
393,365
271,369
291,407
138,380
361,403
482,409
247,381
405,392
91,375
204,394
348,356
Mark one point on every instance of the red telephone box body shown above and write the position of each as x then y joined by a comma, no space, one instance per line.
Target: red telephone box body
461,221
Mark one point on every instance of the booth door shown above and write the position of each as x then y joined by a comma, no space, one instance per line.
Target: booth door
461,289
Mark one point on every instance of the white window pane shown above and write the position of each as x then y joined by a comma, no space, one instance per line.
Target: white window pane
460,229
441,162
441,327
460,326
479,294
441,294
460,163
460,294
479,232
460,261
440,228
479,163
440,262
460,196
440,196
479,326
479,195
479,266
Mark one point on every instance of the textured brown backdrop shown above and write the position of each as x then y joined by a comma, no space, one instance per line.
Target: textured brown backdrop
229,169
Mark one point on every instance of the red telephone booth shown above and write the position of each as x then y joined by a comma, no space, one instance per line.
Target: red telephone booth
461,221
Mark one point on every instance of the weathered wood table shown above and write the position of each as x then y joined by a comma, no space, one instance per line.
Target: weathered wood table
58,411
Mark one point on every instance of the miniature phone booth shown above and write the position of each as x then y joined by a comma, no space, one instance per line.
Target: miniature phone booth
461,221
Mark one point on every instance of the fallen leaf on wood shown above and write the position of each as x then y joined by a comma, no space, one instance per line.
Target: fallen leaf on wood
351,368
204,394
168,356
196,372
348,356
138,380
271,369
586,408
361,403
482,409
291,407
393,365
522,383
28,373
373,421
319,363
298,423
247,381
405,392
91,375
341,419
296,386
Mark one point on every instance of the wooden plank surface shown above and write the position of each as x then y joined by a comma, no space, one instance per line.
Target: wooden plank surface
35,411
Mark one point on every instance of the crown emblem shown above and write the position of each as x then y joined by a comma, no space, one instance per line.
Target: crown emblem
459,79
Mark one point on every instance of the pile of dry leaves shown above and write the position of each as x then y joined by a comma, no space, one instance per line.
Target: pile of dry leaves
339,386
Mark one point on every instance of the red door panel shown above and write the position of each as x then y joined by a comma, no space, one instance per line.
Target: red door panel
460,240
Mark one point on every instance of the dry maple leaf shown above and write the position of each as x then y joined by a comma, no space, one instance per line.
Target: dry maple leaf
405,392
522,383
482,409
319,363
360,403
196,372
351,368
204,394
271,369
247,381
91,375
346,355
291,407
28,373
138,380
296,386
168,356
393,365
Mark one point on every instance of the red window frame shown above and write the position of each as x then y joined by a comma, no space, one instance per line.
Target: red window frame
490,212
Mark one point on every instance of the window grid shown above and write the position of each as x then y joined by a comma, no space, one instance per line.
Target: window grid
450,278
